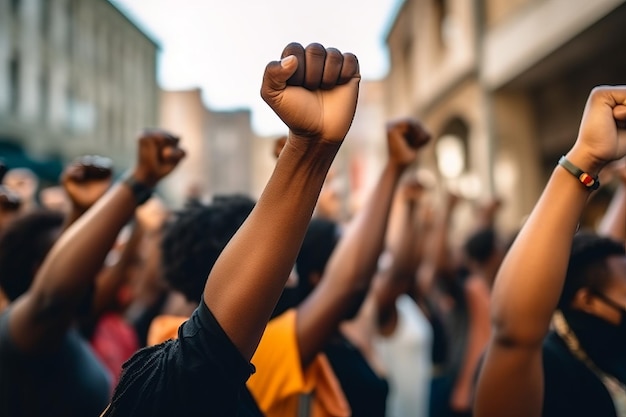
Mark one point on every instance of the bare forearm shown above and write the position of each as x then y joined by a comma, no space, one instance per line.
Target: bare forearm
354,261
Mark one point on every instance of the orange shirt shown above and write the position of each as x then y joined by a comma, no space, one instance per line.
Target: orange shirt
164,328
280,380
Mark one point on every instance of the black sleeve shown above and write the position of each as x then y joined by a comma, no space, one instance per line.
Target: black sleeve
200,373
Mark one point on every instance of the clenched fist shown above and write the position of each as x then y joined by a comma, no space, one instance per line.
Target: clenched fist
313,90
158,154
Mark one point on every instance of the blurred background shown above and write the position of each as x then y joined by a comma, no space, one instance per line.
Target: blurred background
501,84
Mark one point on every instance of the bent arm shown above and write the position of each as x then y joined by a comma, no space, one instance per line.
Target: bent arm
349,271
397,279
40,317
477,295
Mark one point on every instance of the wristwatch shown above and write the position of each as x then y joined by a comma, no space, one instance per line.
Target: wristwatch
141,191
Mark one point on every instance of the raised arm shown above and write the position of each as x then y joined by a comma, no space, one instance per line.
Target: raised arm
350,268
613,223
436,260
40,317
398,278
530,280
314,92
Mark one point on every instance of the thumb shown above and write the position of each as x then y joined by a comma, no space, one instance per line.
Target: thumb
276,75
619,112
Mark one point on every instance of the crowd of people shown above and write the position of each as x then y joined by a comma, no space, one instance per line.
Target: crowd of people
112,303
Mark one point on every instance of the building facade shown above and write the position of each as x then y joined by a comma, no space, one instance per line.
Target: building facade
76,77
220,145
502,85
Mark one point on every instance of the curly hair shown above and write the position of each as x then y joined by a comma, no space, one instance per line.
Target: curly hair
196,237
481,245
587,267
24,245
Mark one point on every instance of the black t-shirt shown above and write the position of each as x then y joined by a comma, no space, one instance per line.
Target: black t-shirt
70,381
365,391
571,389
199,374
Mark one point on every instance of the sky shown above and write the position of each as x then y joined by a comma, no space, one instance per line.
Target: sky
222,46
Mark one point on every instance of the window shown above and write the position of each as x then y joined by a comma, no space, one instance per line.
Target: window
15,6
45,17
14,80
44,96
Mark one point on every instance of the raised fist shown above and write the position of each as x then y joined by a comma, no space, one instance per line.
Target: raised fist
86,179
313,90
158,154
404,138
602,134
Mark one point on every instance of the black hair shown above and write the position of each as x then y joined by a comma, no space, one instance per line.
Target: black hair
318,244
587,267
196,237
481,245
24,244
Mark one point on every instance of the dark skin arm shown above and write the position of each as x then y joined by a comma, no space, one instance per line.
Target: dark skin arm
85,181
436,255
350,268
613,223
530,280
397,279
315,94
41,316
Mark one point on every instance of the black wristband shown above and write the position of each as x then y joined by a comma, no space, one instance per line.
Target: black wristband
141,191
589,181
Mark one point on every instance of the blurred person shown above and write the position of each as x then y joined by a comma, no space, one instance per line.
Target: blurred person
47,367
613,223
54,198
304,360
559,297
10,205
23,182
390,327
206,367
191,243
145,294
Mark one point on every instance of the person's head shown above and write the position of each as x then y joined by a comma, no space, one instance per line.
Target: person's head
24,245
195,238
484,252
596,278
24,183
318,244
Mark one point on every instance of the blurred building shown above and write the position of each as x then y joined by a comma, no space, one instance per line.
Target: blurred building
220,147
76,77
502,85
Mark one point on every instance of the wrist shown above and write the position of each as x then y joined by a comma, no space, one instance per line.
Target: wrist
585,161
141,189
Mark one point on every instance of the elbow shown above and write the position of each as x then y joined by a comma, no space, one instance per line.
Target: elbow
517,334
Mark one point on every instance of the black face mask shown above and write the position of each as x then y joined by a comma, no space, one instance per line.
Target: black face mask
621,327
604,342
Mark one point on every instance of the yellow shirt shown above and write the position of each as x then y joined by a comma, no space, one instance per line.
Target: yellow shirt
280,381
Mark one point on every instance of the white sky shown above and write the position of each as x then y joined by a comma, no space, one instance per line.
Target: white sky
222,46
